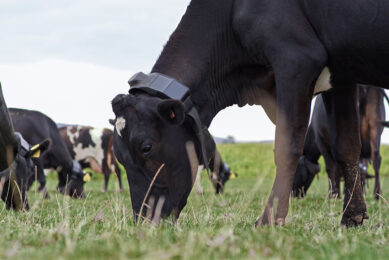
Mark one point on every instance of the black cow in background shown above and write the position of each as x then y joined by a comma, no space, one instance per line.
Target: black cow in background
221,173
16,164
372,114
36,126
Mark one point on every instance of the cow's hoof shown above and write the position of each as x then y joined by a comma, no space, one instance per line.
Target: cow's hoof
103,191
377,194
355,220
45,193
333,195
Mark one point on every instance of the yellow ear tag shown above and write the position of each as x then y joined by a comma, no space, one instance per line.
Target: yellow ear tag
233,175
86,178
37,154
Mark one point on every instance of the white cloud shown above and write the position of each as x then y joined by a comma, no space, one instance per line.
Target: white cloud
68,92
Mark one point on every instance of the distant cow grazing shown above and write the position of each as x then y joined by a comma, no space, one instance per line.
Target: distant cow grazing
36,126
16,164
221,173
372,114
93,147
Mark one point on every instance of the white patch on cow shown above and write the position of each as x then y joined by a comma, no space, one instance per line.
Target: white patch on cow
95,152
119,125
73,136
323,81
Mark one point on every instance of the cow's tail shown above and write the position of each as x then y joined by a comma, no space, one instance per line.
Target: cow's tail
384,123
385,96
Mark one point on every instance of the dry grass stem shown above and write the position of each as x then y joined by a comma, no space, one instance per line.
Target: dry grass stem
147,193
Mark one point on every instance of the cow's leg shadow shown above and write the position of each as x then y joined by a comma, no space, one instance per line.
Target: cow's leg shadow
342,109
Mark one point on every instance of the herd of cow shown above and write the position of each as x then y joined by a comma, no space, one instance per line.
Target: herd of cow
277,54
66,148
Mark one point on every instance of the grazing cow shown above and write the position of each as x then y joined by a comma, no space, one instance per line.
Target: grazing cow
36,126
16,164
92,147
277,54
317,143
221,173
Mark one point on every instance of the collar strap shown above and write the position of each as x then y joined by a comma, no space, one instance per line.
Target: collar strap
159,85
76,166
23,145
165,87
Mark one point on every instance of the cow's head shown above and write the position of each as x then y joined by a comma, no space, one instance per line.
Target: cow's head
73,184
305,172
14,179
151,132
16,164
220,177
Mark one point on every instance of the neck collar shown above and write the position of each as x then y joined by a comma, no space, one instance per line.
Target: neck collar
165,87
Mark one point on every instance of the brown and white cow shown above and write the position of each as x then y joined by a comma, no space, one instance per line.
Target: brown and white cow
92,147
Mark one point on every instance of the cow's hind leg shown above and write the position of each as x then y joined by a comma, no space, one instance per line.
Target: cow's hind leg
341,107
106,180
119,176
377,164
333,177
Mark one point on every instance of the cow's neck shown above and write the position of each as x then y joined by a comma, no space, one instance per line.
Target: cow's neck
204,54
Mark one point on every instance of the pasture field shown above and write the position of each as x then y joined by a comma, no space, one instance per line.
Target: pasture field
210,227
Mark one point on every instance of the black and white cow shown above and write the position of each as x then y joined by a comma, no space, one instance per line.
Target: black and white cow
37,126
16,164
272,53
220,173
92,147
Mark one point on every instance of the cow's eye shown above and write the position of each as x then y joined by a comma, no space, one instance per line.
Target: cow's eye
146,148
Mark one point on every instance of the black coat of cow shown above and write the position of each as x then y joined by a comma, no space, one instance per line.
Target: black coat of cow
35,126
92,147
272,53
317,143
16,164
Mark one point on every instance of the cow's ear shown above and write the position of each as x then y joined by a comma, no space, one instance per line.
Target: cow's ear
171,111
37,150
111,121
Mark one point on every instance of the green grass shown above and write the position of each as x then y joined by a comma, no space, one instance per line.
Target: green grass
210,227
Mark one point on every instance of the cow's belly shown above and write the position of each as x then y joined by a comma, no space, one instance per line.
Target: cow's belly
91,151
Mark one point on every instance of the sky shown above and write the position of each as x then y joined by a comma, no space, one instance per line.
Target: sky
70,58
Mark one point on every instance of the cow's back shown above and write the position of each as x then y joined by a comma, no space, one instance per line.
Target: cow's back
86,142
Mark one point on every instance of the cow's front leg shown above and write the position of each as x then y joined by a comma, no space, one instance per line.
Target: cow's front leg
294,91
343,120
333,177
